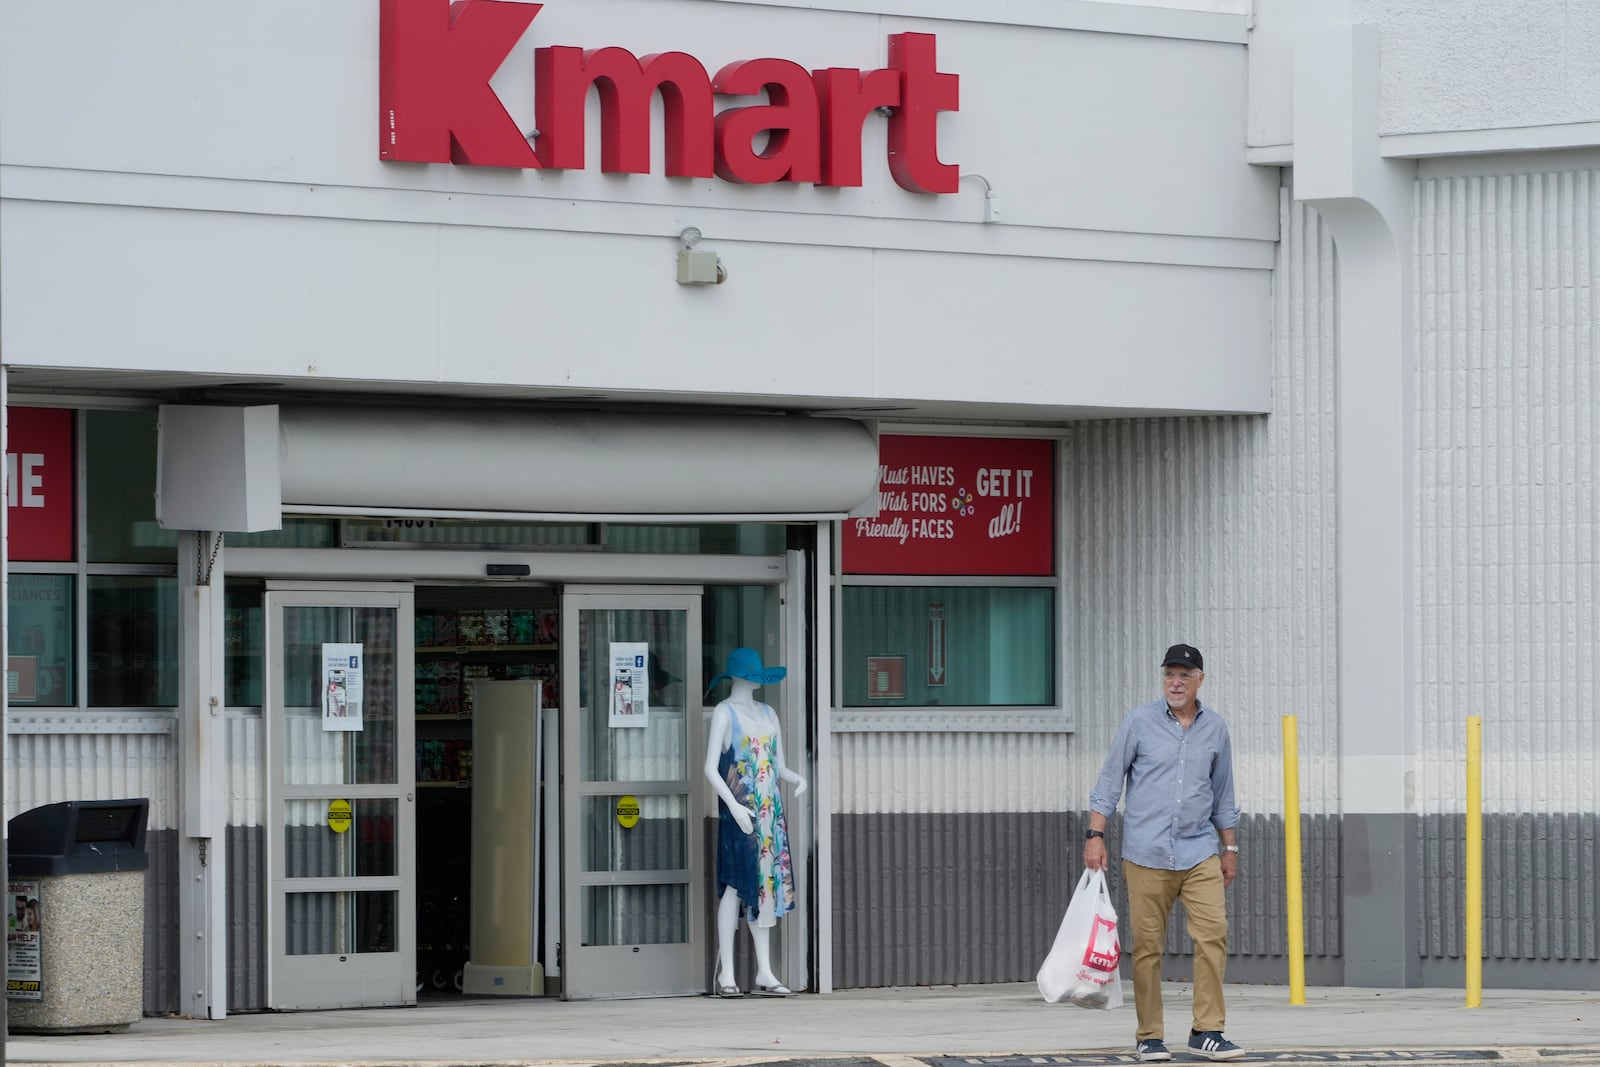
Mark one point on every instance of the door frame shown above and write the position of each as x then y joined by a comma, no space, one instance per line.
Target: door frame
673,968
309,982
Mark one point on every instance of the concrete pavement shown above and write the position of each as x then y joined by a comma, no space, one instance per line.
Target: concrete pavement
971,1026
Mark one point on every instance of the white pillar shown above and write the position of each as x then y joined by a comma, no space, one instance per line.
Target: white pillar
202,857
1366,202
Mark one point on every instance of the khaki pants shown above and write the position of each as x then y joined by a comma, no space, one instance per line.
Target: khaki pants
1151,893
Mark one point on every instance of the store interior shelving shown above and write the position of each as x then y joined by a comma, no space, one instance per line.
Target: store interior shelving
463,635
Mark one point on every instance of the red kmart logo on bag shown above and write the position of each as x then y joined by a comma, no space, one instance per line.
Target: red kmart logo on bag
1099,955
436,105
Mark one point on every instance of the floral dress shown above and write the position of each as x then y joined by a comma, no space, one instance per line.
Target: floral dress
757,865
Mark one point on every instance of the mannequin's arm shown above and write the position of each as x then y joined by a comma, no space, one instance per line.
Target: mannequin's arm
785,774
716,740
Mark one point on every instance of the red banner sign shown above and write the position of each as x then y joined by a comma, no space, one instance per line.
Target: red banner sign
39,489
958,505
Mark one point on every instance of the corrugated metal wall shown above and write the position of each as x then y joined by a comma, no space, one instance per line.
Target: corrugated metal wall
85,756
1220,532
247,861
1508,552
955,898
1217,531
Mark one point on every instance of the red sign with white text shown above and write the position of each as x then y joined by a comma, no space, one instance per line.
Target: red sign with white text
39,491
958,505
435,104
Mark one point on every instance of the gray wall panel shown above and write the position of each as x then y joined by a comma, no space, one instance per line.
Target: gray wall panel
947,899
1538,888
247,909
1516,974
931,899
161,923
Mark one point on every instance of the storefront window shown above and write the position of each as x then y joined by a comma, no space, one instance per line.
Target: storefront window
954,646
467,533
296,533
710,539
735,615
244,664
120,450
39,655
133,642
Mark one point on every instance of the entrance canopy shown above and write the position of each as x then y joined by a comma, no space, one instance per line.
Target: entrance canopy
242,468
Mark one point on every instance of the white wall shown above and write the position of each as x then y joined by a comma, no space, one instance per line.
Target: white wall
198,189
1216,531
1449,66
1508,453
1221,533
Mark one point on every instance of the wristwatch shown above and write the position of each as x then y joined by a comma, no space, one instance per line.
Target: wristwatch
1093,834
1230,848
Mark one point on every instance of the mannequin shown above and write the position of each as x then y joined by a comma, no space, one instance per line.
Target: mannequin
744,764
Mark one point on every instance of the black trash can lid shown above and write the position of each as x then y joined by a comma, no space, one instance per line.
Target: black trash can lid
79,837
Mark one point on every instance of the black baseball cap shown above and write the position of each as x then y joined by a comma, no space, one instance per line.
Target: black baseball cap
1184,656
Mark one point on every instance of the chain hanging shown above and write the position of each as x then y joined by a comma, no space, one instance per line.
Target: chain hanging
202,565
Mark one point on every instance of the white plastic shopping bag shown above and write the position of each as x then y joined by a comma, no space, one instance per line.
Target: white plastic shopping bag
1082,966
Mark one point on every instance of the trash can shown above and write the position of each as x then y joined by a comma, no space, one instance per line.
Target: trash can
75,917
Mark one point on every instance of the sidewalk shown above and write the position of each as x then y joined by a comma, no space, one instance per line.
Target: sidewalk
916,1022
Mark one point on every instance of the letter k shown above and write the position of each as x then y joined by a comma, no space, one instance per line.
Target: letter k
435,104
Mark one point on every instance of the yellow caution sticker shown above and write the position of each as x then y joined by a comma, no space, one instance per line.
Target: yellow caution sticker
338,816
627,812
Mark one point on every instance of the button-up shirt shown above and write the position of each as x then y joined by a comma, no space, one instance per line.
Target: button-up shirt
1180,786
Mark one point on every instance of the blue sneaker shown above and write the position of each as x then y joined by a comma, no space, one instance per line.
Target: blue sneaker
1151,1050
1213,1046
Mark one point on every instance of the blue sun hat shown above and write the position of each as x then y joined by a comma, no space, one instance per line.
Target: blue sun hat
746,663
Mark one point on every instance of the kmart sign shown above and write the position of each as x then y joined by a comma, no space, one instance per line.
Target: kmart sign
436,104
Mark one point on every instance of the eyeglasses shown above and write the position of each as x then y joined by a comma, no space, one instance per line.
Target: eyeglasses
1180,676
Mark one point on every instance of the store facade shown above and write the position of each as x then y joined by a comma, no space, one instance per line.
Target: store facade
955,360
469,407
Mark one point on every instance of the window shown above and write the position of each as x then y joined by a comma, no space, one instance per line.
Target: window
244,645
120,472
39,652
733,539
133,642
296,533
732,616
943,645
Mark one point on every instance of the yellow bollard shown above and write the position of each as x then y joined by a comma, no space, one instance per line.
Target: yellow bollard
1291,853
1473,950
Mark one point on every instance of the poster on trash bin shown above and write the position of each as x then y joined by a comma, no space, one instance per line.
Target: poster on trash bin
22,942
341,687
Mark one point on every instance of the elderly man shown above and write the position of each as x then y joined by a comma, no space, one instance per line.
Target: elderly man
1176,759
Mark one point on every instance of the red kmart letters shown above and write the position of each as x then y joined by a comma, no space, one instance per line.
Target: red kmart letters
435,60
793,151
436,104
561,79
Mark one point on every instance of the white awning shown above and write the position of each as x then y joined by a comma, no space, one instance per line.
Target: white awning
502,464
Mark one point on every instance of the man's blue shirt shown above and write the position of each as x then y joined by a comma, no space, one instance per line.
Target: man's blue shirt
1180,786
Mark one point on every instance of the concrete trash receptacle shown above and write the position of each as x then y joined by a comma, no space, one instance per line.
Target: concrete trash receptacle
76,950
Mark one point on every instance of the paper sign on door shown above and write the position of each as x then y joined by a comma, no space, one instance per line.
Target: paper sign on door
341,687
